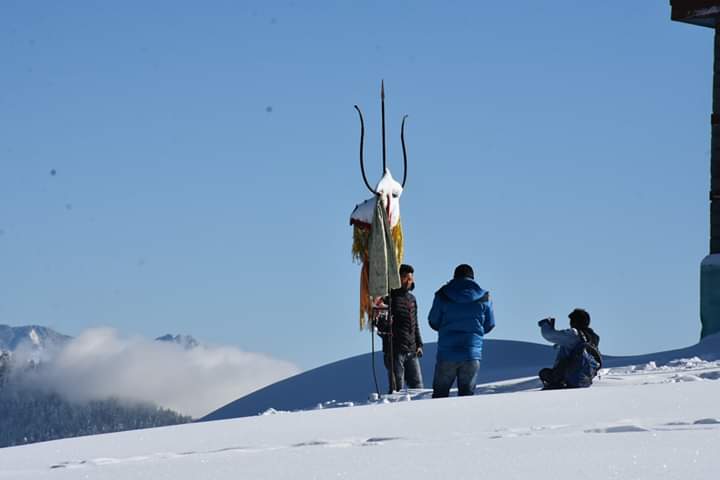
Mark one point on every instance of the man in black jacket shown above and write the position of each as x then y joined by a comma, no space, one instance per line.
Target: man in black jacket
401,335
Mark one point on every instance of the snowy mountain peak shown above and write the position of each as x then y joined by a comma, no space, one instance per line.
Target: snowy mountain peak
185,341
35,336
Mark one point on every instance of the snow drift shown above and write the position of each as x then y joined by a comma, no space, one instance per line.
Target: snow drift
351,380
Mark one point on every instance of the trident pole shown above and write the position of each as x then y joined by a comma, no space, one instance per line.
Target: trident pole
382,101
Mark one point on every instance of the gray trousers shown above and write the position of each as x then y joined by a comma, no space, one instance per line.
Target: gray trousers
407,371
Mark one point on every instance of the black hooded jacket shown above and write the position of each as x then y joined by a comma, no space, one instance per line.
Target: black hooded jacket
405,330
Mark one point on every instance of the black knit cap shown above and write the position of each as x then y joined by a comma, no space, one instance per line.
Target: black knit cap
579,318
464,271
405,269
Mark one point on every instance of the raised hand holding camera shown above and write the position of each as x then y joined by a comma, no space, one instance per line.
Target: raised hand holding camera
550,321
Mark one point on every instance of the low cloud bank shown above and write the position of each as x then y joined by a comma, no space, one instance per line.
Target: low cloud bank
100,363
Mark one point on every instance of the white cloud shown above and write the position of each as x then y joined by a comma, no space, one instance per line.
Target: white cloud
100,363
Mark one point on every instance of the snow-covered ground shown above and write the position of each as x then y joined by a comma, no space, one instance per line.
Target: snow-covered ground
349,380
654,419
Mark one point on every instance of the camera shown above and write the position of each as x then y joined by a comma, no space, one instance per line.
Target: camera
549,320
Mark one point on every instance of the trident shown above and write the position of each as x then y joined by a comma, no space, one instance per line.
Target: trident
393,382
384,155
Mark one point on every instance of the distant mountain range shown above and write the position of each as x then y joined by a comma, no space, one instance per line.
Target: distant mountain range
33,415
39,338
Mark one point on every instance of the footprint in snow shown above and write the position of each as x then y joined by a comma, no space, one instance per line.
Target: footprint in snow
369,442
707,421
513,433
702,421
701,424
98,462
372,441
312,443
79,464
618,429
379,440
226,449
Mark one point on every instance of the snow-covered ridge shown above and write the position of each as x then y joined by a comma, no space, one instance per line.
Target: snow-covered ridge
350,381
692,369
39,337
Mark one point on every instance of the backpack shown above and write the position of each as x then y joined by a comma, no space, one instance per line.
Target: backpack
583,363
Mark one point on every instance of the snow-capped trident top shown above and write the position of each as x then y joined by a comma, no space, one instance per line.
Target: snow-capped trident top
389,190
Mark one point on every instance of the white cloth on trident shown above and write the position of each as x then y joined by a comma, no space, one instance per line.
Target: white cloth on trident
383,274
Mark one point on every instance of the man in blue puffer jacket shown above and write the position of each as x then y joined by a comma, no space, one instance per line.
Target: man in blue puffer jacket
461,314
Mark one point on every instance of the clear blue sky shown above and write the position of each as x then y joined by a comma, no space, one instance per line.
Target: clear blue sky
206,158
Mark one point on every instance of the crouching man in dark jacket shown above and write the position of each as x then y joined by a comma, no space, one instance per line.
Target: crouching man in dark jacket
401,356
461,314
578,358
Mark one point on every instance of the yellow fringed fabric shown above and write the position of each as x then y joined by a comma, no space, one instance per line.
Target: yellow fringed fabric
365,299
397,234
361,236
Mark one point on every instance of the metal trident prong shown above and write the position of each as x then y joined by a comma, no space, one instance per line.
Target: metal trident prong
362,141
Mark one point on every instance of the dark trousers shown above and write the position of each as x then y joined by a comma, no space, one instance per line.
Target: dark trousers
407,370
447,372
552,378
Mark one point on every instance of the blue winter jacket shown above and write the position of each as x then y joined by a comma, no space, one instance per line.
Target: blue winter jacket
462,314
